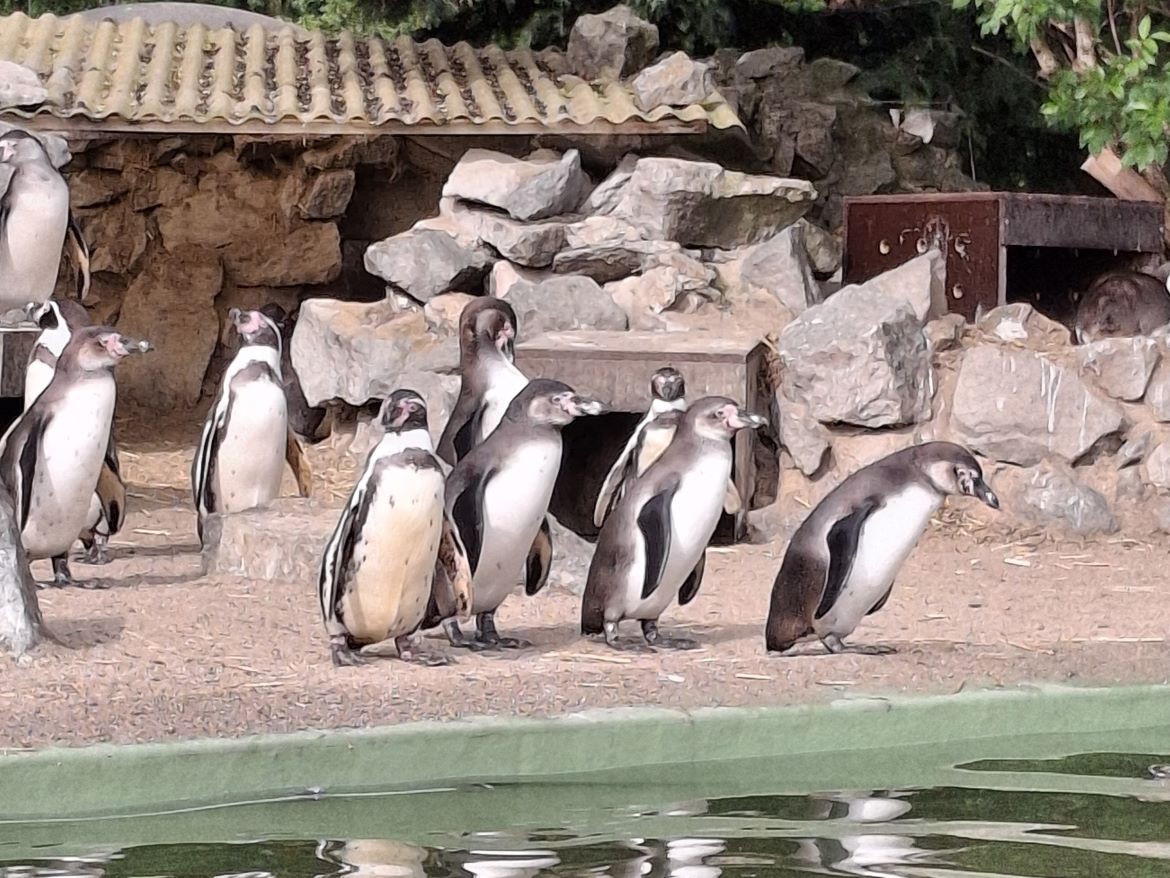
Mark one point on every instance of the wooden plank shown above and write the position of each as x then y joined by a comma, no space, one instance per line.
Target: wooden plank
1093,224
694,347
1106,168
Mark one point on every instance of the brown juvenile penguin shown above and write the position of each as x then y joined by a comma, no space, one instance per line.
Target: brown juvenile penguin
1122,304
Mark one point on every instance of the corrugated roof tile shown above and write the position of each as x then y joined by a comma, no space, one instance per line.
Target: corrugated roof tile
129,74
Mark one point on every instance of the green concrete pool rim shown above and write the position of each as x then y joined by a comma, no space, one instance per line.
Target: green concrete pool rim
111,780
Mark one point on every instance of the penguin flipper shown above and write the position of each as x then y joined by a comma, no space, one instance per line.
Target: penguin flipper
337,553
111,492
654,523
451,590
294,454
467,513
881,603
732,503
539,563
842,540
459,435
20,460
203,466
610,492
81,253
111,459
690,588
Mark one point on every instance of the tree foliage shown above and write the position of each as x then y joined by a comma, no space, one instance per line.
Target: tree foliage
1108,73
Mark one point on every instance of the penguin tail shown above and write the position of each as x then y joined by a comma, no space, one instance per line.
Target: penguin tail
81,254
784,631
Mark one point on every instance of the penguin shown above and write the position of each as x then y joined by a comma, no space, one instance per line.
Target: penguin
1121,303
649,439
652,546
35,218
841,563
244,444
51,457
498,496
58,320
379,566
488,382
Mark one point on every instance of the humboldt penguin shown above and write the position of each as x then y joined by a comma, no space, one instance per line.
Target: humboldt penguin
649,439
652,546
379,569
51,457
58,320
841,563
1121,304
34,220
244,444
488,382
498,496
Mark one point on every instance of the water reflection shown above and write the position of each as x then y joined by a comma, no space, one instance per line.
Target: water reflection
375,858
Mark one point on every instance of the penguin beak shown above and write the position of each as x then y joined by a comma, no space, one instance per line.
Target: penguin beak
134,345
984,493
582,405
505,340
31,309
742,419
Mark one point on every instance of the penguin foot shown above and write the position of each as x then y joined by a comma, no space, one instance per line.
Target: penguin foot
654,638
61,574
96,553
837,646
512,643
92,584
486,634
342,655
459,640
409,653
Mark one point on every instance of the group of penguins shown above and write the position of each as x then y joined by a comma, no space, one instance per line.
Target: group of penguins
431,537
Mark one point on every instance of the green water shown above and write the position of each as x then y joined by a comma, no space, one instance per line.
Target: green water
1065,816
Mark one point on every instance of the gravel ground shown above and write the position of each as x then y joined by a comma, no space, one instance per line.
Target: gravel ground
167,653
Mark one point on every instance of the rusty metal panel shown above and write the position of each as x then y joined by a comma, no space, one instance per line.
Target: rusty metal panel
1081,222
882,233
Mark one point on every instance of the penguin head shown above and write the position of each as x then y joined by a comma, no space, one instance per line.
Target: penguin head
46,315
487,324
403,410
101,347
20,147
717,417
255,328
952,469
551,403
668,384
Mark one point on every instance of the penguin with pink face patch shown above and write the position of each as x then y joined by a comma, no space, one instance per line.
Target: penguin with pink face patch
241,456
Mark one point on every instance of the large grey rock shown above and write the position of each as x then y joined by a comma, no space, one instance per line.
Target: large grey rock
612,45
280,543
1019,407
561,303
423,263
677,80
1020,322
802,435
20,87
920,281
1052,494
358,351
647,295
571,557
1157,467
1158,390
778,267
825,249
530,244
1120,366
766,62
606,249
542,185
858,358
699,204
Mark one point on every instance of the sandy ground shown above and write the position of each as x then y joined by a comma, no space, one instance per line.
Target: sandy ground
168,653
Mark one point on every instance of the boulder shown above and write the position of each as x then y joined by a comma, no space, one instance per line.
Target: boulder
920,281
699,204
182,286
1020,322
424,263
161,186
94,187
677,81
645,296
1157,467
307,254
612,45
606,249
945,333
778,267
116,235
571,558
323,195
20,87
825,249
530,244
802,435
504,274
1136,447
563,302
767,62
348,152
1121,367
280,543
443,312
858,358
358,351
1053,495
541,185
1158,390
1019,407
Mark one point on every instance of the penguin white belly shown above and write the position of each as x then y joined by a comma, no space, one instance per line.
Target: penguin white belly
514,504
394,556
694,514
886,540
250,459
36,378
69,462
32,240
504,384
